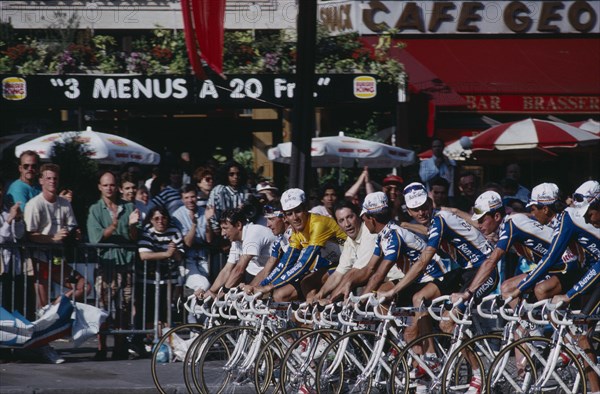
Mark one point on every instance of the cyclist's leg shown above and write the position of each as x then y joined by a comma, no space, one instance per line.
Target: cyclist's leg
311,283
287,293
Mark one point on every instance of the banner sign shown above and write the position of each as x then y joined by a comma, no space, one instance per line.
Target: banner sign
237,91
466,17
533,104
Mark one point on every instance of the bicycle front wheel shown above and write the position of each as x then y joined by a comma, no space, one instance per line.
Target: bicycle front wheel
267,372
478,352
519,368
357,362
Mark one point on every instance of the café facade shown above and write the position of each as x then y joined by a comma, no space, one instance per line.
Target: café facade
469,65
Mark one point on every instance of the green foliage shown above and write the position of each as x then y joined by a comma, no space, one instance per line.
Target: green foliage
245,158
67,49
77,173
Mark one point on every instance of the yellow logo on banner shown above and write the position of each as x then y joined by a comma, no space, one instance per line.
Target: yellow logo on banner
365,87
14,88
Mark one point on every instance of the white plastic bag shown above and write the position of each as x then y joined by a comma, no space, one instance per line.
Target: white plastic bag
87,322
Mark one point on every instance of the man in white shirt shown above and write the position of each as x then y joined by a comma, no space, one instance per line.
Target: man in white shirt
250,251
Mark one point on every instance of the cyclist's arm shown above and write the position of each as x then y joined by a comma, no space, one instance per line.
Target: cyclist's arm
307,259
484,272
415,270
288,259
271,263
379,276
558,245
237,272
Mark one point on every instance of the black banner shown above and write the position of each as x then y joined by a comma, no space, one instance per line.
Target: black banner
237,91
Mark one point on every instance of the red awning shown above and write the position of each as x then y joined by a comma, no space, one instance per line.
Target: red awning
560,66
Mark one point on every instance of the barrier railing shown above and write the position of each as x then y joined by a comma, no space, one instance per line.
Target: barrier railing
137,294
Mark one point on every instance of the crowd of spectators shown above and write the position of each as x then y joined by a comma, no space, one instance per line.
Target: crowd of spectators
185,216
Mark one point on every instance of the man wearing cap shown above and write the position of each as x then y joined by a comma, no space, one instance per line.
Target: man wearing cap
438,165
568,226
587,200
266,192
395,246
530,238
314,248
392,186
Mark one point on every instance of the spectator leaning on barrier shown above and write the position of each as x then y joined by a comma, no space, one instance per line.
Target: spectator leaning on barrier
50,220
161,242
116,221
12,229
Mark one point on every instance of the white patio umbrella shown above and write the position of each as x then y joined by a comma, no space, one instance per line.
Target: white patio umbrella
342,151
106,148
589,125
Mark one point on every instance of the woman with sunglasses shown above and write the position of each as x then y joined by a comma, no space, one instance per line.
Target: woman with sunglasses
160,242
204,178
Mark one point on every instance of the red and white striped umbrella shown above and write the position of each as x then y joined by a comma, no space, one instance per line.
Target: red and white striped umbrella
530,134
590,125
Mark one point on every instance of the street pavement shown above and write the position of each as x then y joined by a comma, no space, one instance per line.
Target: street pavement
81,375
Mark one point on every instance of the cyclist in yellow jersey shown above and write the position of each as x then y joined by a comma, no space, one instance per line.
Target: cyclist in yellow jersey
315,247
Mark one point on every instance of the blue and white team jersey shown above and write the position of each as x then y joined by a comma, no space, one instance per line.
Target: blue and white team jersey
404,247
281,245
568,228
528,237
465,244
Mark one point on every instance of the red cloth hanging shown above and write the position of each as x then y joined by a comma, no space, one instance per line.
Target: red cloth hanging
203,22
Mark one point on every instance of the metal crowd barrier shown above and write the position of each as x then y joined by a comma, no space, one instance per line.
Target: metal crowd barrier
125,292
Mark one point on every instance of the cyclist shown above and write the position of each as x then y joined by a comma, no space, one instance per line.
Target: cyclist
315,247
529,237
462,242
394,248
587,210
569,226
357,251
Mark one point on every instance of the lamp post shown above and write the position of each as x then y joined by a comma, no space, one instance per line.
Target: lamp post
303,112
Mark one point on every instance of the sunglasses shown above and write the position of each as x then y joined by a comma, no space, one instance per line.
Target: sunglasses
159,218
269,211
28,166
208,178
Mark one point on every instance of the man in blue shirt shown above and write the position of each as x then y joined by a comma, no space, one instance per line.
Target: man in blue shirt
27,186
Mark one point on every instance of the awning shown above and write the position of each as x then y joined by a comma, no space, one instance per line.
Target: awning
422,80
550,66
